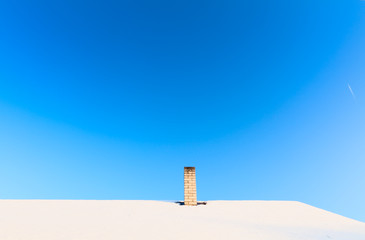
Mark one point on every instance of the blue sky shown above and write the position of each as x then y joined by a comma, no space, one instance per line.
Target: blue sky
111,99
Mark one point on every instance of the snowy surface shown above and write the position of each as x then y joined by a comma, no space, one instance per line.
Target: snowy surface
144,220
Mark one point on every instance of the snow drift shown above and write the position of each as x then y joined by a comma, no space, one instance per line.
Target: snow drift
145,220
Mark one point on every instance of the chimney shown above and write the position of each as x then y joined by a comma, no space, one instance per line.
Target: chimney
189,186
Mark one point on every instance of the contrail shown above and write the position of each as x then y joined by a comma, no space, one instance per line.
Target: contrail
352,92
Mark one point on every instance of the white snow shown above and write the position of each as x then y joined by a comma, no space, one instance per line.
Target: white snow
146,220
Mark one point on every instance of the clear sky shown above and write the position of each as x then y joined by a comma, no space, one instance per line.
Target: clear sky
111,99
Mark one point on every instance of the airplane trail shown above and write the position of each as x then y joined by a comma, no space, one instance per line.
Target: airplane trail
352,92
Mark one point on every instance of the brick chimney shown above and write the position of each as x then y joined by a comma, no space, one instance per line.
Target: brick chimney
189,186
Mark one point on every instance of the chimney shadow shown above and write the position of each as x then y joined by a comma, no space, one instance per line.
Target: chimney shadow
181,203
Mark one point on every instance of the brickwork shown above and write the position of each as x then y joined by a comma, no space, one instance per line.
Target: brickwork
190,186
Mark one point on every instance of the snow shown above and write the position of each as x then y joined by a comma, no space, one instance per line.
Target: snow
228,220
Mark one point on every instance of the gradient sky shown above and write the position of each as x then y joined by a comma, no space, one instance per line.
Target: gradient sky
111,99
